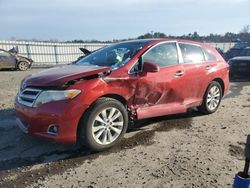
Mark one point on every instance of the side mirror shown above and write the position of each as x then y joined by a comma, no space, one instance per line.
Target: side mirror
150,67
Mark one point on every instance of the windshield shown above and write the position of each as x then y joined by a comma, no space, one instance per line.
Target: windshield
113,56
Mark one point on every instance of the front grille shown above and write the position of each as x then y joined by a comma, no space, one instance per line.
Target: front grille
28,96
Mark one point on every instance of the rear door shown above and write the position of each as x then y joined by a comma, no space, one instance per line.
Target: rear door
161,93
7,60
196,72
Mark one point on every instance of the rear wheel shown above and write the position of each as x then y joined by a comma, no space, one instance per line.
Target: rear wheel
212,98
23,65
104,124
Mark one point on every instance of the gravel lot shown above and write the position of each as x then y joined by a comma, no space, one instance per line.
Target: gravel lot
187,150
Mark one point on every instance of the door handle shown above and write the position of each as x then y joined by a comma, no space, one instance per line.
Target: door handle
179,73
208,67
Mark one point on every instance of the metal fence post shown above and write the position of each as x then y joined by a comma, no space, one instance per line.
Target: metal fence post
56,54
28,50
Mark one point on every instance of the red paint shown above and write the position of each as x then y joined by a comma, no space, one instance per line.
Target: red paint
146,95
59,75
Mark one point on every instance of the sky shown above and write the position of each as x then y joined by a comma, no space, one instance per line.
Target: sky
118,19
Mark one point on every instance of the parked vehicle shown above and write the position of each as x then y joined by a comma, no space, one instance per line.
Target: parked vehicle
11,59
240,65
221,52
95,100
236,50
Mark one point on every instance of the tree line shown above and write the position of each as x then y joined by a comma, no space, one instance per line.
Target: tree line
243,35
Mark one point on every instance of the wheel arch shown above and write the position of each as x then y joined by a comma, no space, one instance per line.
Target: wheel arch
221,82
113,96
117,97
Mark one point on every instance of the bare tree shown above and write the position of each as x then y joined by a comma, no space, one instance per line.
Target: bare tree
245,29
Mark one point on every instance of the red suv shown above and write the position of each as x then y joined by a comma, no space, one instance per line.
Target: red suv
94,100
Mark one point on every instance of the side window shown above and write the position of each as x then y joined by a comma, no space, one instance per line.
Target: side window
191,53
3,53
209,55
162,55
136,68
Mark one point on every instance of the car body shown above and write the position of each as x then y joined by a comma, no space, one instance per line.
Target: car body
240,65
236,50
131,80
11,59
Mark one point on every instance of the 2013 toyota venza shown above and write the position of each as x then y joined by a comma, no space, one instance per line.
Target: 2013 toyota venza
94,100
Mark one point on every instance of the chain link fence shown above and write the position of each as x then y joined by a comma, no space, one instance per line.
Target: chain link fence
50,54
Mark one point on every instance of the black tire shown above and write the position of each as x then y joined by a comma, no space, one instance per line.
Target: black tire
23,65
205,106
88,121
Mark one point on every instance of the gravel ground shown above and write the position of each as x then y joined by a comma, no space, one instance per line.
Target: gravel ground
187,150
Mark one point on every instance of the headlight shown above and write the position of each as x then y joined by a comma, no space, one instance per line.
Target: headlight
52,95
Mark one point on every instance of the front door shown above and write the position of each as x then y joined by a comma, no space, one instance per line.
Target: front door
160,93
6,60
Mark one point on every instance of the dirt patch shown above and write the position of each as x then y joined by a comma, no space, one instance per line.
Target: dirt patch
237,151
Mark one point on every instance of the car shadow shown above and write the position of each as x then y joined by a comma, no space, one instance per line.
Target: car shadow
8,69
19,150
236,88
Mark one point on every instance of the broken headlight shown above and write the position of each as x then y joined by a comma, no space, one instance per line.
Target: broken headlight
55,95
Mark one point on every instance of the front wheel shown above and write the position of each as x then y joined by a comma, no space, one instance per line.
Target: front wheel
212,98
23,66
104,124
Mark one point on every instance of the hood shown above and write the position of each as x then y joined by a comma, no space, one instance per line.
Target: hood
243,58
22,57
60,75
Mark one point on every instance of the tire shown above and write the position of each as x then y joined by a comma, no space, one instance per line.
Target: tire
23,65
211,99
98,132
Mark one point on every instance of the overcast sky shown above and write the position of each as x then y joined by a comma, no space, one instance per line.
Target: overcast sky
117,19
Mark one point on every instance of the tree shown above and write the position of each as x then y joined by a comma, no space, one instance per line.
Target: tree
245,29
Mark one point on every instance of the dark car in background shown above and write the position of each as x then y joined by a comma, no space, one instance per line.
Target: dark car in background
236,50
11,59
240,65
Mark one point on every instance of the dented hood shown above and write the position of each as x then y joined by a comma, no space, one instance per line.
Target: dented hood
59,75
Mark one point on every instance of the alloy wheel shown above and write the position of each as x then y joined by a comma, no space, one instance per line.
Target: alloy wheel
23,65
213,98
107,126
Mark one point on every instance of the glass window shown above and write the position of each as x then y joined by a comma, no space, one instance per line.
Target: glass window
113,56
136,68
191,53
162,55
3,53
209,55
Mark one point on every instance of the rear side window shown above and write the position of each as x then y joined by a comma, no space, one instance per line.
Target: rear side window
191,53
162,55
209,55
